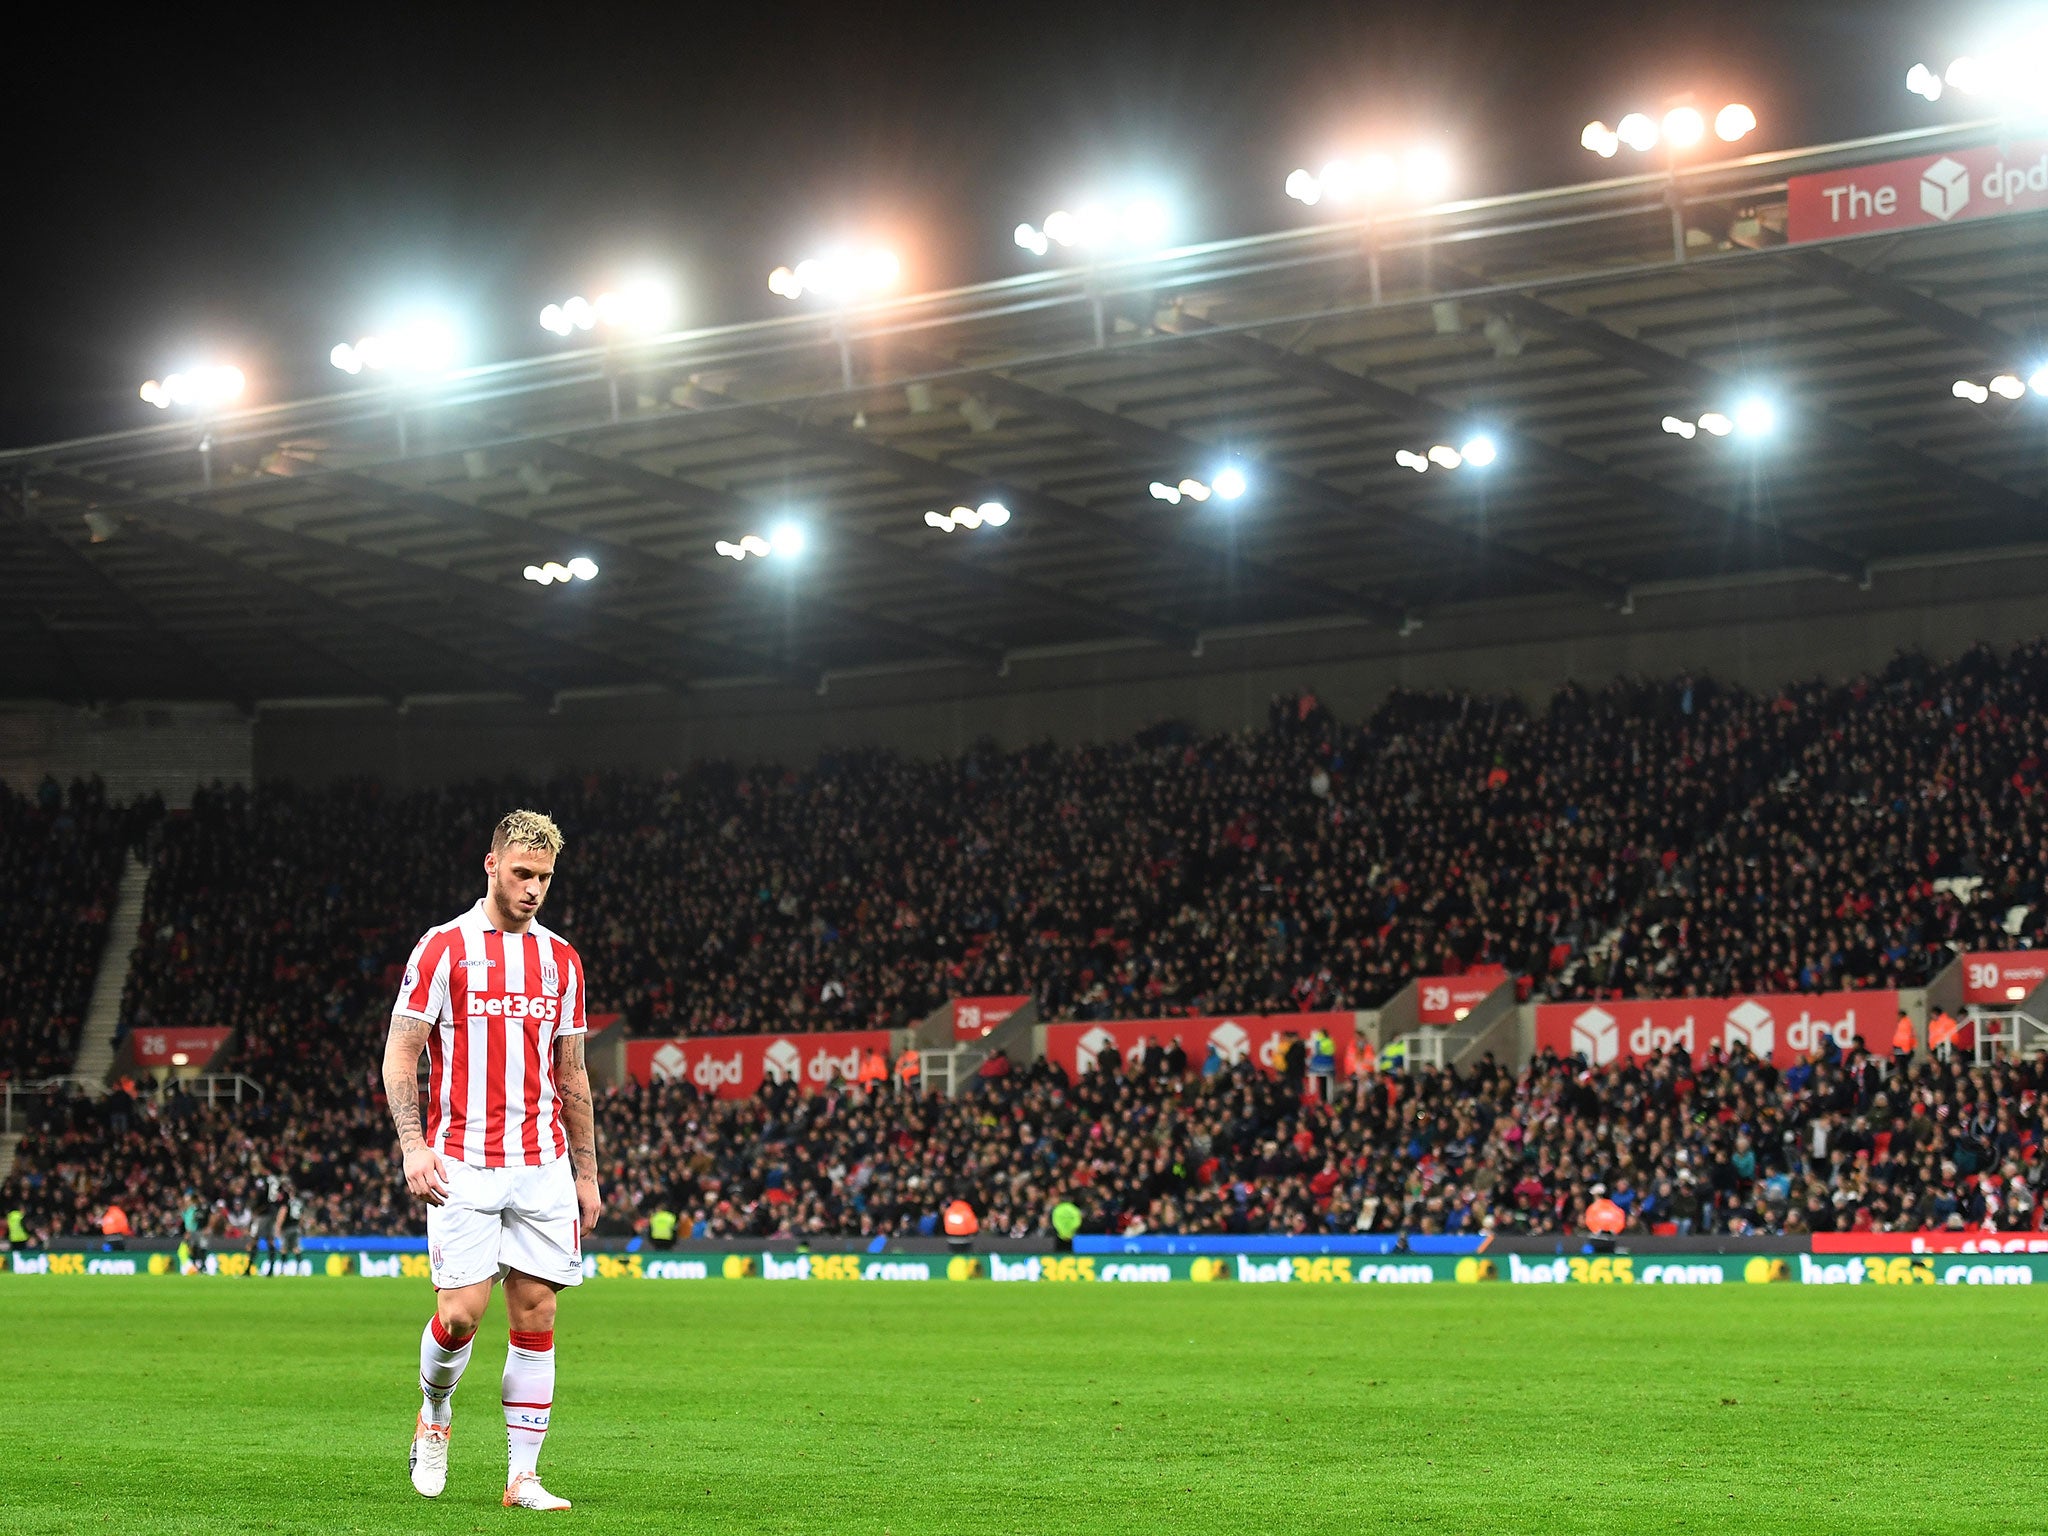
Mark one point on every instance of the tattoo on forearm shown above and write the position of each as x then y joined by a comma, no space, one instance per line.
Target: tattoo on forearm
573,1082
402,1049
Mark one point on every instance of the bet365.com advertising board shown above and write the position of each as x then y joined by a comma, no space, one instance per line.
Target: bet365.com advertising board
1151,1269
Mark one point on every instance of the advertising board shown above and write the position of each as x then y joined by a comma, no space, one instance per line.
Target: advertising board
1997,980
974,1017
1957,185
1783,1028
735,1066
1447,999
1256,1038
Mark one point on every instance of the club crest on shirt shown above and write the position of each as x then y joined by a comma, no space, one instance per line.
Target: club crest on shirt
550,978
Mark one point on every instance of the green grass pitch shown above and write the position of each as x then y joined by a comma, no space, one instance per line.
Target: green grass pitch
219,1405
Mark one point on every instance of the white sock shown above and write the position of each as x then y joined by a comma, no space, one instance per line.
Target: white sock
529,1395
441,1361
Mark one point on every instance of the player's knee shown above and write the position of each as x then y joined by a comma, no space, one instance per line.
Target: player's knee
460,1314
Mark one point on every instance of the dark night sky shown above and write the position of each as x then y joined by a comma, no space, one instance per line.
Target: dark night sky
183,189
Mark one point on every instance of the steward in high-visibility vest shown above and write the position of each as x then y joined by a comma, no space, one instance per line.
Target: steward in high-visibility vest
961,1223
661,1227
114,1223
874,1069
1903,1039
907,1068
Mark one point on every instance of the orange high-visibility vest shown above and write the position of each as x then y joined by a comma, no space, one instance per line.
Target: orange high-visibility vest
115,1222
1902,1037
1940,1030
906,1065
961,1220
874,1067
1603,1215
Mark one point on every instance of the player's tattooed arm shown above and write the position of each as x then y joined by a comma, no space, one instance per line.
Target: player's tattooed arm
402,1049
579,1115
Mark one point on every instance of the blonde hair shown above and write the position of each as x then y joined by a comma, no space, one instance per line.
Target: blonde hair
527,829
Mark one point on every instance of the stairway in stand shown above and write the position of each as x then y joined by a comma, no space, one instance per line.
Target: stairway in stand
103,1013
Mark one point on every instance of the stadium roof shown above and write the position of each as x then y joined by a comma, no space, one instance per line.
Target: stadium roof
372,543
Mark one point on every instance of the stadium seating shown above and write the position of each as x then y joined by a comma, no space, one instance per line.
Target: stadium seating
62,853
1645,839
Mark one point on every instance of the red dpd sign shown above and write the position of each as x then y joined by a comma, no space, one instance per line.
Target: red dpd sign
1254,1038
1952,187
1782,1028
735,1066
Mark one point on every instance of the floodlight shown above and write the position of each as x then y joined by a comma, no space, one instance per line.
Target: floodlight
535,573
726,548
1684,127
1637,132
1755,416
1966,74
2038,381
203,387
1427,173
1480,452
554,570
1194,490
583,568
1061,227
344,357
424,344
787,539
1228,483
1734,121
838,275
1032,239
1446,455
1146,223
1922,81
966,517
993,513
938,520
1975,393
1679,427
1716,423
1414,461
1339,181
1600,139
757,546
2008,386
1302,186
1169,494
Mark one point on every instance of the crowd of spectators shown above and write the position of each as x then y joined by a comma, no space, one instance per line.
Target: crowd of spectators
62,852
1725,1144
1659,838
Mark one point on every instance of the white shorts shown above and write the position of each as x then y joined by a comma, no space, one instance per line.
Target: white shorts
495,1220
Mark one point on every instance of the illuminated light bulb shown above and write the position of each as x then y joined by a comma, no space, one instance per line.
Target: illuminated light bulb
787,540
1755,417
1161,491
1716,423
153,393
2007,386
2038,383
1032,239
344,357
1146,223
967,517
1194,490
1339,181
1061,227
782,282
1966,75
1600,139
1303,187
580,313
1414,461
1379,176
1922,81
1428,173
938,520
1229,484
1679,427
1684,127
1480,452
535,573
1637,132
1734,121
993,513
1976,394
552,319
1446,455
583,568
556,571
757,546
730,550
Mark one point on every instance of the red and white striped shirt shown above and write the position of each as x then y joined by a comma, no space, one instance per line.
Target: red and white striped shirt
498,1002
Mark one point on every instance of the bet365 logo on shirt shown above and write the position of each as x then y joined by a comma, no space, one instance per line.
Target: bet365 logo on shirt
517,1006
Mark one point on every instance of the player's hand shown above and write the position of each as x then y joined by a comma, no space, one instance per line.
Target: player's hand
587,1202
426,1175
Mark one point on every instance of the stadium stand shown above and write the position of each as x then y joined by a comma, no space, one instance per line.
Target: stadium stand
62,851
1660,838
